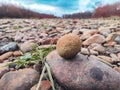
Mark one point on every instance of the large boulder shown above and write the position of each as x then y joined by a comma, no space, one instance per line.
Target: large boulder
83,73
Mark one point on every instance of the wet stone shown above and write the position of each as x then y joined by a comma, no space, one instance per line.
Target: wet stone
12,46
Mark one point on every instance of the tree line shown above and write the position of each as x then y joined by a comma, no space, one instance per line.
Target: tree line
101,11
12,11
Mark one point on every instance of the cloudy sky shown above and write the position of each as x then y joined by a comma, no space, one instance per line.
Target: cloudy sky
60,7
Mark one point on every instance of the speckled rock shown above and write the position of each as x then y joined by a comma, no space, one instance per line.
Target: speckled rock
83,73
19,80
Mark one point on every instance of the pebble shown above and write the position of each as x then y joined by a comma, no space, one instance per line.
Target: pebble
104,31
27,46
117,39
93,52
77,32
118,55
114,57
84,51
17,53
117,69
97,47
106,58
18,37
45,85
97,38
5,56
111,37
100,37
12,46
3,69
19,80
49,41
88,34
110,43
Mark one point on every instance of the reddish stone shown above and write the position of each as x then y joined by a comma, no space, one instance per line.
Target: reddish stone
50,41
17,53
117,69
45,85
5,56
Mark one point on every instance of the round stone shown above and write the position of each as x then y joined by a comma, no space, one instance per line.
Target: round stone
68,46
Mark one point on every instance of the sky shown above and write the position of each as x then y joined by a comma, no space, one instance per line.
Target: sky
59,7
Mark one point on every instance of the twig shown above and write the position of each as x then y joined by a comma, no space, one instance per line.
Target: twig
50,76
41,76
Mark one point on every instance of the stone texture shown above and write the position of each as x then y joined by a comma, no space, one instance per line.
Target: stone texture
117,39
97,47
77,32
18,37
104,31
118,55
17,53
106,58
45,85
27,46
97,38
88,34
5,56
110,43
19,80
84,51
44,31
117,69
3,69
114,57
93,52
12,46
111,37
82,73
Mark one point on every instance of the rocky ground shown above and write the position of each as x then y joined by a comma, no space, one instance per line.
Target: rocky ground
100,40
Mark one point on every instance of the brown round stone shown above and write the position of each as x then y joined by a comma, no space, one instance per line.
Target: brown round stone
68,46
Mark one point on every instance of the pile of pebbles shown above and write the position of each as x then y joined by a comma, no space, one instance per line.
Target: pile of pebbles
100,40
